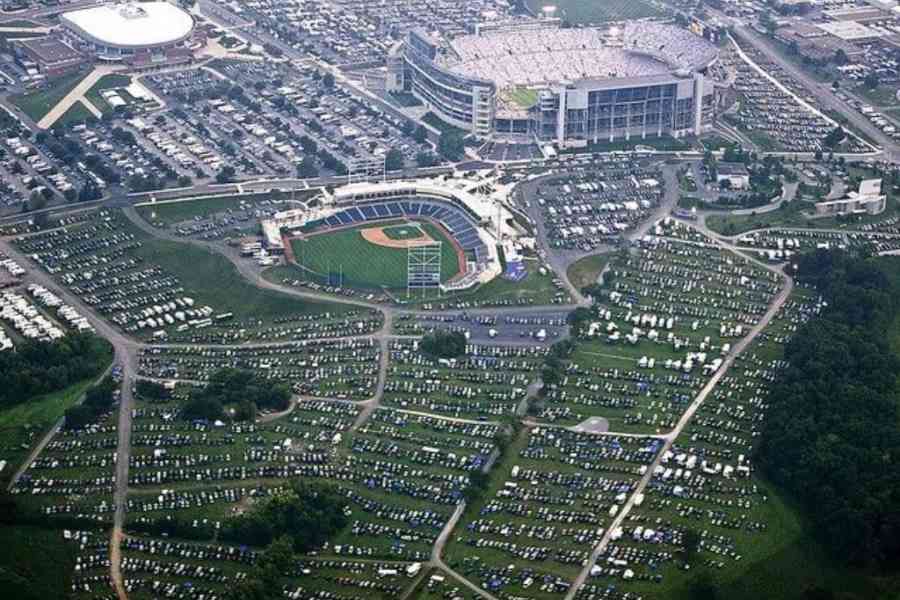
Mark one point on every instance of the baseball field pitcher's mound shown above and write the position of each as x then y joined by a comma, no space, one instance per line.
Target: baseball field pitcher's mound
377,236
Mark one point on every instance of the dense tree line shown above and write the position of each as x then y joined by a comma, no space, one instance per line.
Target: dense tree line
831,436
37,368
443,344
309,515
98,400
243,390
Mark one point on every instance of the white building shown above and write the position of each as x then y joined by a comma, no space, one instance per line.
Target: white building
868,200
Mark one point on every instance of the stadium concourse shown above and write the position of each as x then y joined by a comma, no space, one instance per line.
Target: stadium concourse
476,223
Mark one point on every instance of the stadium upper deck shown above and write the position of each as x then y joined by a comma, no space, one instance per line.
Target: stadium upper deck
572,86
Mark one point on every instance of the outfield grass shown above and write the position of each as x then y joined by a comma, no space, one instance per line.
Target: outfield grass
107,82
35,563
583,12
362,264
586,270
212,279
37,104
22,425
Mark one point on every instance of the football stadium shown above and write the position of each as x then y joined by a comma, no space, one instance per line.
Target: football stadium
139,34
397,235
568,86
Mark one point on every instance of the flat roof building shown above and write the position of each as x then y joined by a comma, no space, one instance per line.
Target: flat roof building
137,33
52,56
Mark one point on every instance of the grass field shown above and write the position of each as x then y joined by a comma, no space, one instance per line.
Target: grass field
403,232
365,265
35,563
169,213
77,113
37,104
586,270
523,97
212,279
882,95
24,424
583,12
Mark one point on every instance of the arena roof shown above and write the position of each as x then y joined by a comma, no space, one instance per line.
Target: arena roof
132,25
552,55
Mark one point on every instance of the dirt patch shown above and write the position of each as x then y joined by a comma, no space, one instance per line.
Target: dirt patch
376,235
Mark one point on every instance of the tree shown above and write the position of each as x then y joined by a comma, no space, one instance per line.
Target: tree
834,137
691,542
443,344
578,319
871,80
394,160
421,134
452,146
328,80
307,168
426,159
308,515
225,175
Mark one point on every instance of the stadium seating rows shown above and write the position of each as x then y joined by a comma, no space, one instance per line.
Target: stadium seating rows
452,218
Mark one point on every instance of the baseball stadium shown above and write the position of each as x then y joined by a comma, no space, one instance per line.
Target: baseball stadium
568,86
396,236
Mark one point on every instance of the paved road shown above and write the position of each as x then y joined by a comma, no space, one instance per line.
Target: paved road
825,96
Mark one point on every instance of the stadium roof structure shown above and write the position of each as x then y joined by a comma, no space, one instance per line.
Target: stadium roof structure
131,25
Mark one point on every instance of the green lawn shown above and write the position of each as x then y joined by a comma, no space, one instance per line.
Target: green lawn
792,215
882,95
362,264
436,122
24,424
535,289
37,104
582,12
35,563
107,82
524,97
77,113
586,270
212,279
169,213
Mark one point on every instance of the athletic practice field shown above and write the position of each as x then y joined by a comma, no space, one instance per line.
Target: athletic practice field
372,255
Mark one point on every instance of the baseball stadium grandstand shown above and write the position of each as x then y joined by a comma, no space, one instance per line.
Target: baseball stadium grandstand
568,86
471,224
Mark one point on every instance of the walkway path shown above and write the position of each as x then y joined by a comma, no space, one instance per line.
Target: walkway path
77,93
